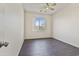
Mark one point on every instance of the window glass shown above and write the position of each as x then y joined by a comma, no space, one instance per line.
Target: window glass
40,24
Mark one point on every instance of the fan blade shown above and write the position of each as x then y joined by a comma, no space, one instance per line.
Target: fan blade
53,4
50,4
51,8
47,4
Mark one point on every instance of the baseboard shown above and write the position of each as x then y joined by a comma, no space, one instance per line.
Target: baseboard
67,42
39,38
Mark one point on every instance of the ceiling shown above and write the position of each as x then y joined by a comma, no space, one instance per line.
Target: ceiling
35,7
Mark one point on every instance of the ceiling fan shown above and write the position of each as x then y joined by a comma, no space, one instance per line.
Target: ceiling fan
48,6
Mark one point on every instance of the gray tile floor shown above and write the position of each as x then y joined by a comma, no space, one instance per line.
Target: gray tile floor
47,47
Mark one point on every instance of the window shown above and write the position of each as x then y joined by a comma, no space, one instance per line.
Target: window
40,24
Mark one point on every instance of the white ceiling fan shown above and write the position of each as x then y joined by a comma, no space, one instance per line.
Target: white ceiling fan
48,6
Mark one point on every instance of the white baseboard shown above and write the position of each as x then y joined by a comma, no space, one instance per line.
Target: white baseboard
77,46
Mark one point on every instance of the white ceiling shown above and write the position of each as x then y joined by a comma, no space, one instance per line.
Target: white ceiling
35,7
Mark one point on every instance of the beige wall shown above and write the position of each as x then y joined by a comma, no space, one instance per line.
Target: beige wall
29,33
66,25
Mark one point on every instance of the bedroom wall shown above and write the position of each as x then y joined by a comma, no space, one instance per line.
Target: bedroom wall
29,33
66,25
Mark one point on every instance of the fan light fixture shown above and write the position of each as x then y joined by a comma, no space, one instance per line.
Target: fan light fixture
48,6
